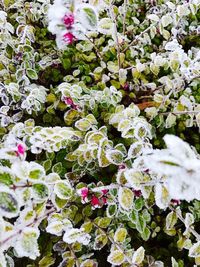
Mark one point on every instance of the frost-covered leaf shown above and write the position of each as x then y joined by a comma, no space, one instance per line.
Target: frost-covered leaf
125,197
26,245
194,251
106,26
40,191
116,258
32,74
83,124
63,189
76,235
87,15
171,220
174,262
162,196
138,256
100,241
9,205
111,210
120,235
89,263
115,156
189,219
55,228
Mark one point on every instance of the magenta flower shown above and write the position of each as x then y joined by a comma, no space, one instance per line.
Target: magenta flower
84,193
68,20
137,193
104,191
122,166
69,101
20,150
175,202
69,38
95,201
104,200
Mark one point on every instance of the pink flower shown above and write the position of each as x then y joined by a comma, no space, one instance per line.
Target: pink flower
122,166
95,201
126,87
137,193
175,202
104,200
84,193
69,38
104,191
20,150
70,102
68,20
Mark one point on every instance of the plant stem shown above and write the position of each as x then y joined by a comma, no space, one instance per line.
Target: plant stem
116,35
124,17
138,37
182,220
39,219
181,112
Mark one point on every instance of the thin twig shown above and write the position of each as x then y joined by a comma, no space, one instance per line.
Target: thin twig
124,17
95,47
116,35
41,218
74,255
182,220
138,37
181,112
114,243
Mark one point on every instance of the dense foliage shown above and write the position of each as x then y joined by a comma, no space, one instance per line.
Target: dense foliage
99,130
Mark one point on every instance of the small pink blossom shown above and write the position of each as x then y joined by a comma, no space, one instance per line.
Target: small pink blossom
122,166
69,101
104,200
95,201
137,193
104,191
175,202
126,87
69,38
20,150
68,20
84,193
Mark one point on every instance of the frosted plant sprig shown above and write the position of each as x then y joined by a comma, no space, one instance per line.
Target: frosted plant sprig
71,26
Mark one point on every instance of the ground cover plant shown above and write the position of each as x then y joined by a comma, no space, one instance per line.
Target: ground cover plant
99,133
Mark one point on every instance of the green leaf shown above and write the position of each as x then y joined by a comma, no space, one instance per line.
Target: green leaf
125,197
40,191
139,203
83,125
194,251
115,156
138,256
146,234
116,258
6,178
100,241
32,74
89,263
120,235
171,220
140,224
9,206
103,222
63,190
88,16
27,246
111,210
46,261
